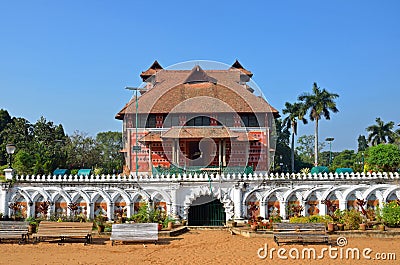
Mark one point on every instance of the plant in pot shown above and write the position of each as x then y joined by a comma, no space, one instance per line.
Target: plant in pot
99,221
32,224
338,218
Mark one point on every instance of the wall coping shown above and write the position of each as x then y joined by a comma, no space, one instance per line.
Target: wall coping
354,176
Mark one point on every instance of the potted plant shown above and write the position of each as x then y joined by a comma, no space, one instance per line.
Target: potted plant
32,224
99,221
338,217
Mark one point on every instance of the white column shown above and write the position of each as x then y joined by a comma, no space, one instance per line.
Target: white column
3,199
110,211
128,209
90,210
322,208
173,208
173,152
219,152
342,205
263,209
282,209
237,202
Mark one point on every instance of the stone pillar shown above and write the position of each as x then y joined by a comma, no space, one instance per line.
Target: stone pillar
224,153
3,198
30,209
110,211
305,207
90,210
9,173
263,209
173,209
322,208
282,209
342,205
128,209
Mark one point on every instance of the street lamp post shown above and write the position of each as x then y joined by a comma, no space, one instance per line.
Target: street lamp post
330,139
10,148
136,148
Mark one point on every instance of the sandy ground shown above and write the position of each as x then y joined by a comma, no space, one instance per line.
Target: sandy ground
194,247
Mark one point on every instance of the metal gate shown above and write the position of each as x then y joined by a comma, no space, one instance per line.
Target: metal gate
208,214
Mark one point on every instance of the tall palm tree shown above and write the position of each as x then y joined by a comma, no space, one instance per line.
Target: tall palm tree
320,102
381,132
295,111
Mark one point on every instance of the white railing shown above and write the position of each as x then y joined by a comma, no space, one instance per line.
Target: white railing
379,176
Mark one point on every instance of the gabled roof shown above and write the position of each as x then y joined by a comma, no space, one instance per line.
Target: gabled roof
197,75
153,69
237,65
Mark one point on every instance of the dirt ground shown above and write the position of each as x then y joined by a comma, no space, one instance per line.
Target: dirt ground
194,247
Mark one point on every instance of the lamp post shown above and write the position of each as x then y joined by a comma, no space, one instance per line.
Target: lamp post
10,148
136,148
330,139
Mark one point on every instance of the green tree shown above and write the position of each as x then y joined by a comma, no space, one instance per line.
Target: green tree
381,132
346,159
320,103
23,162
5,119
82,151
384,157
306,147
282,146
362,143
295,112
109,145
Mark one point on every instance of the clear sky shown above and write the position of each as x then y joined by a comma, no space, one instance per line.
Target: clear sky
70,61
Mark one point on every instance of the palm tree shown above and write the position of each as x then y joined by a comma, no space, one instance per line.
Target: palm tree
320,102
381,132
295,111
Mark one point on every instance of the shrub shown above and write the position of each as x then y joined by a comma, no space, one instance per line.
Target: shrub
352,219
391,214
311,219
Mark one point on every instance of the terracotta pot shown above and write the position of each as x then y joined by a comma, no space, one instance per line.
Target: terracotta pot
382,227
170,225
340,227
331,227
254,227
159,227
183,222
363,227
32,228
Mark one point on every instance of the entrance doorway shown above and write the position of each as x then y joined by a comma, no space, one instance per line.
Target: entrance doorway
206,211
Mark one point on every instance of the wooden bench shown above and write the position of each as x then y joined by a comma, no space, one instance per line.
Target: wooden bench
64,230
139,232
300,233
14,230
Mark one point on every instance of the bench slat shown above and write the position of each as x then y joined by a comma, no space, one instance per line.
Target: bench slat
134,232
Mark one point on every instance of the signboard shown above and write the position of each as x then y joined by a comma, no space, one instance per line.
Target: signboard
136,148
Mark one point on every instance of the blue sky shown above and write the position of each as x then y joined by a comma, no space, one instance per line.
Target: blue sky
70,61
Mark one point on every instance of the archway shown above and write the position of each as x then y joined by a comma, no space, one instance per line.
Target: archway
206,211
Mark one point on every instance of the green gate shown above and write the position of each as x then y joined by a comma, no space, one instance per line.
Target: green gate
208,214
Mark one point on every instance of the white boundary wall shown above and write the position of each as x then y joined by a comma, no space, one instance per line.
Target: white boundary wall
180,191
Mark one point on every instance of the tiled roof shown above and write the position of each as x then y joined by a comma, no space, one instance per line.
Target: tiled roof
239,66
153,69
170,94
151,137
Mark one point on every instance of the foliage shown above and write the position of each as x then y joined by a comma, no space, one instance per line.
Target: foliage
32,220
320,103
147,214
306,148
44,208
384,157
352,219
381,132
295,112
362,143
311,219
109,145
391,214
344,159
